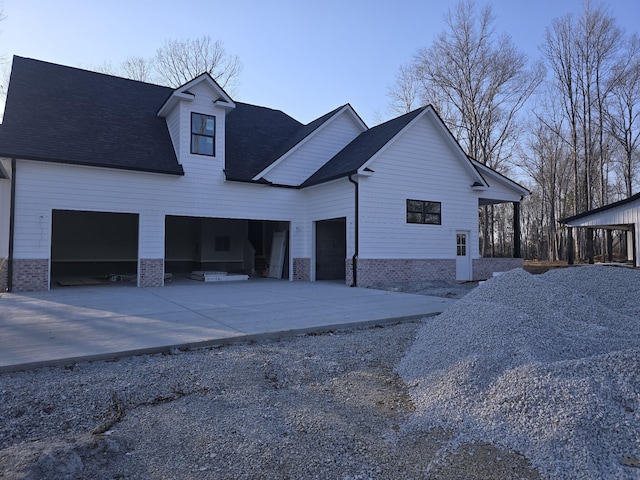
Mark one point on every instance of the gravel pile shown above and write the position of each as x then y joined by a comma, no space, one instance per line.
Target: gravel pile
546,365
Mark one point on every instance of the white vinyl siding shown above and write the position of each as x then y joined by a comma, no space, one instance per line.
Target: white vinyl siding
5,211
321,146
331,200
43,187
173,124
419,164
498,190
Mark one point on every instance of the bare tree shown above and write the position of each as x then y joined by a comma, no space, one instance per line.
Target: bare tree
558,51
597,43
582,53
404,93
482,78
624,112
547,161
179,61
137,68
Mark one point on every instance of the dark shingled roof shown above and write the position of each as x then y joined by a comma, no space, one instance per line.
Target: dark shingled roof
362,148
67,115
253,137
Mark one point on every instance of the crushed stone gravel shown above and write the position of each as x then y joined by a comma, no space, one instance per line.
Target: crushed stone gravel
545,365
318,406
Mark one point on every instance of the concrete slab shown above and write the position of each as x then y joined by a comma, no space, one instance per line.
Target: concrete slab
71,324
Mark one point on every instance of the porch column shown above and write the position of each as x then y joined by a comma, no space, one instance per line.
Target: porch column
590,245
609,245
516,230
570,245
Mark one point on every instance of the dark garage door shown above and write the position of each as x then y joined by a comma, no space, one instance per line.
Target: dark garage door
331,249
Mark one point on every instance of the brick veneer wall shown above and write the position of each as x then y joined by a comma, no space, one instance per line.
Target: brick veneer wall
483,268
4,272
30,275
302,269
348,271
383,271
151,271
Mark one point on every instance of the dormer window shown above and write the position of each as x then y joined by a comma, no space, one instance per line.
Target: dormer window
203,134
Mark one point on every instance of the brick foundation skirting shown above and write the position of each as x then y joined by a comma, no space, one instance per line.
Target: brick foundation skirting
379,271
302,269
348,271
4,274
484,268
30,275
151,272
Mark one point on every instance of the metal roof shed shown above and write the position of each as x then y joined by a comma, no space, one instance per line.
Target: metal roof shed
623,215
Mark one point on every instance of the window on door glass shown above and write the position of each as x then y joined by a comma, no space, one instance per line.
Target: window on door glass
461,244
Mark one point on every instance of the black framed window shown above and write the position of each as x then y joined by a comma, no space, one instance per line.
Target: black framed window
203,134
422,211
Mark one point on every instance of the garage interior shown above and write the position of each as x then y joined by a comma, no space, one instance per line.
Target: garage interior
331,249
235,246
92,248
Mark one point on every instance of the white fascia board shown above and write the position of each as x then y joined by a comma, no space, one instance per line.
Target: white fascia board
292,150
356,117
173,100
211,83
182,93
224,104
499,178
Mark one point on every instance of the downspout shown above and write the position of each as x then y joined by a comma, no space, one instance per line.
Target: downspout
354,259
12,216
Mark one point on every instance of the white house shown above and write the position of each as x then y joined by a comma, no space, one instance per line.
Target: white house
622,216
105,176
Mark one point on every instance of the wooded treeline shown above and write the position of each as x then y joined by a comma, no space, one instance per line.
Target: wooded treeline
565,124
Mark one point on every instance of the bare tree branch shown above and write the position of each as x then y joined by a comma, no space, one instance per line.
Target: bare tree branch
138,68
179,61
404,93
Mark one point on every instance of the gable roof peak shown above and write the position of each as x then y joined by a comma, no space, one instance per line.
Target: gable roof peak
305,133
183,93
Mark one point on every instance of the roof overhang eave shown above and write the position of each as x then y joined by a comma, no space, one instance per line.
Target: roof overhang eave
172,101
177,172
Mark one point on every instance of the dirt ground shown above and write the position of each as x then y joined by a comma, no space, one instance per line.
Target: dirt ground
537,267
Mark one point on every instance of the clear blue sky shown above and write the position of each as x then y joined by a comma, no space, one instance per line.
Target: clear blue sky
304,58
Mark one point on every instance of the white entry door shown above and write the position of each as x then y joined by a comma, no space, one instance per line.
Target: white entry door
463,257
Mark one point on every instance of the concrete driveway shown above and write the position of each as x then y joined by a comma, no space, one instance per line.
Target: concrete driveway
71,324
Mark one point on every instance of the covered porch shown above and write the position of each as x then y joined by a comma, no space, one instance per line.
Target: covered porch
623,216
499,190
